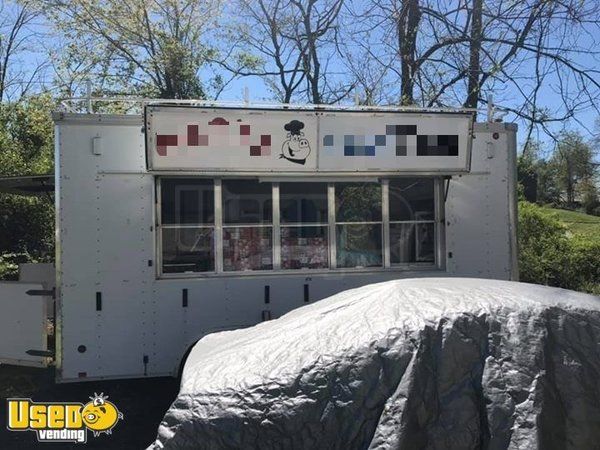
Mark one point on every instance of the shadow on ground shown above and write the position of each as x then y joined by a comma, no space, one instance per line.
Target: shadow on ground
142,401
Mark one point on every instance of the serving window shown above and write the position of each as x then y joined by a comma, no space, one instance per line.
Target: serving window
241,225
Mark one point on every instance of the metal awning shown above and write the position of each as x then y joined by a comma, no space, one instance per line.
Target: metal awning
30,185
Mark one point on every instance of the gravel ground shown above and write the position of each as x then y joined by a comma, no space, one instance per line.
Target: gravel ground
143,403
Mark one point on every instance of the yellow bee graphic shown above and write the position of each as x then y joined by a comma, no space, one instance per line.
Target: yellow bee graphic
100,415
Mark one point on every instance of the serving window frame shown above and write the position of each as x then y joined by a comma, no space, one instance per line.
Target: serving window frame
439,263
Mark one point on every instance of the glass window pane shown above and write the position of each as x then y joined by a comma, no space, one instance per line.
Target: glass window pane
247,202
357,202
411,199
303,202
304,248
412,242
188,250
358,245
247,248
188,201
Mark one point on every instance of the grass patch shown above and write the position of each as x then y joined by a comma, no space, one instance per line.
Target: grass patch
577,223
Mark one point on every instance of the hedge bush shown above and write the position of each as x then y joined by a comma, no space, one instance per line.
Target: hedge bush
547,255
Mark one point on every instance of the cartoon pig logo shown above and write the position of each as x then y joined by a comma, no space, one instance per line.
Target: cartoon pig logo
296,148
100,415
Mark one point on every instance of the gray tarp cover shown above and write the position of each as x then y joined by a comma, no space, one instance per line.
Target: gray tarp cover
408,364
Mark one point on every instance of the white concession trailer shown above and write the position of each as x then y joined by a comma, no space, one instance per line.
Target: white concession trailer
191,219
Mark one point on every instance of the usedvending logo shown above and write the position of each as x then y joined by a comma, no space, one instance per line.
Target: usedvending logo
63,421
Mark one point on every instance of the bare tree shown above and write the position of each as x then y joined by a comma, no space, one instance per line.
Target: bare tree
259,33
317,21
371,87
524,52
16,77
294,42
364,50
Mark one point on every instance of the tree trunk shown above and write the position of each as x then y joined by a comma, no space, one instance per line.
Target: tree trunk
570,184
474,87
408,24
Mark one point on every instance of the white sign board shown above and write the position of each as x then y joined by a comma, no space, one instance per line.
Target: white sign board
407,142
282,140
207,139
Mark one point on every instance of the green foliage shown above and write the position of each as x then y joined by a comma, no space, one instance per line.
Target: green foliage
543,246
26,226
537,176
566,177
547,255
548,190
590,201
585,265
9,264
573,163
27,137
153,49
526,176
26,147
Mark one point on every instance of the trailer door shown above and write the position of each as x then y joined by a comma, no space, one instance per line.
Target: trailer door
23,324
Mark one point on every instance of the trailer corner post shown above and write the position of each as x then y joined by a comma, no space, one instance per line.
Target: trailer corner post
218,239
385,217
513,211
276,228
331,220
158,227
440,194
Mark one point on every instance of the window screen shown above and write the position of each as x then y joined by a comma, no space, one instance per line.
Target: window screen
307,235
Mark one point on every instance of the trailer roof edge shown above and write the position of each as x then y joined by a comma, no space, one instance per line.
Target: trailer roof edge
107,119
